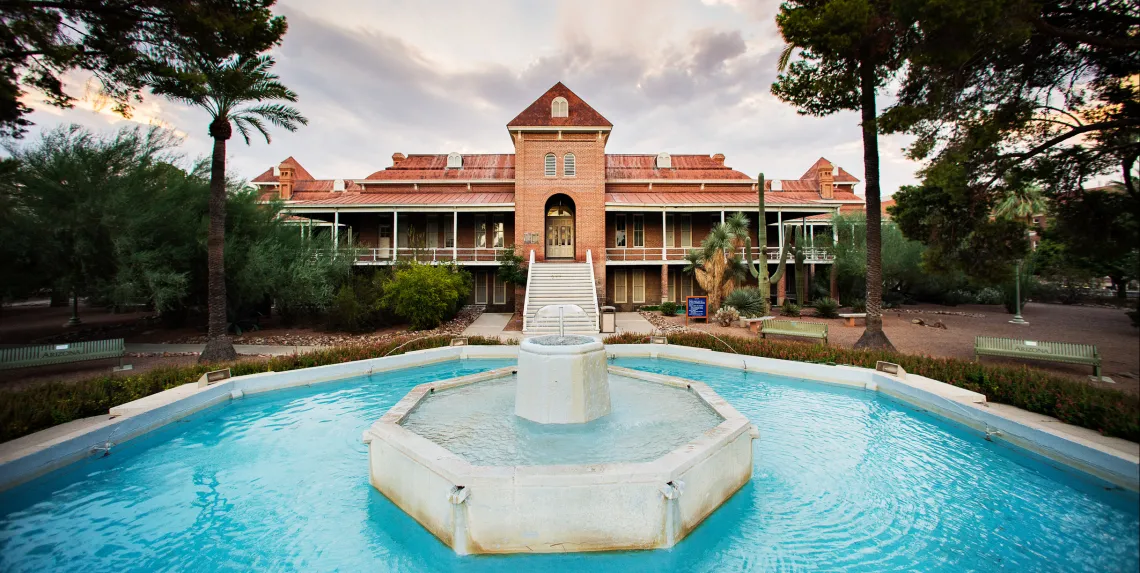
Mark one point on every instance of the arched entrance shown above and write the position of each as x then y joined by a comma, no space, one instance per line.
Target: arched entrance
560,227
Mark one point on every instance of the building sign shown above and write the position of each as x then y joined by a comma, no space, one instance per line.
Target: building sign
696,308
530,238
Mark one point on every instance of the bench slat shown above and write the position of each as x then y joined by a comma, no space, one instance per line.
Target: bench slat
48,354
1063,352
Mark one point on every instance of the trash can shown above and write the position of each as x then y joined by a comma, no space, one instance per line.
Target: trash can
609,319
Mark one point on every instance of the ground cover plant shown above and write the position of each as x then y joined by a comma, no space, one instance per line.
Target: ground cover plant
43,406
1110,412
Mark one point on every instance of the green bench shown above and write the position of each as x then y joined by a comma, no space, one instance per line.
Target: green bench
1066,352
793,328
48,354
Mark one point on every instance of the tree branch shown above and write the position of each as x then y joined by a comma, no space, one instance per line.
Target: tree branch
1082,37
1104,125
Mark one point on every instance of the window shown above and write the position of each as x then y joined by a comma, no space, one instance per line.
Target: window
449,233
664,161
639,285
686,231
619,231
481,288
669,240
454,161
499,230
551,165
686,285
500,290
673,286
639,230
481,232
559,107
432,231
568,168
619,286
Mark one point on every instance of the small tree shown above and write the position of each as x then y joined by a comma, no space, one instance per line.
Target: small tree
425,295
716,265
512,268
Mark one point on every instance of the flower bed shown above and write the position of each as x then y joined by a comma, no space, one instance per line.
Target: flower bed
26,411
1110,412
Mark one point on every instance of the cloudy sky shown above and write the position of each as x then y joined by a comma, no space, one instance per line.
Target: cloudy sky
382,76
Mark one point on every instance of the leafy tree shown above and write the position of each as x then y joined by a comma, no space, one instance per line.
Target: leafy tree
124,43
425,295
848,49
512,268
1100,233
235,90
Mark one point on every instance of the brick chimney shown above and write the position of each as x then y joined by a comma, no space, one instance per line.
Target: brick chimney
397,158
827,181
285,181
719,159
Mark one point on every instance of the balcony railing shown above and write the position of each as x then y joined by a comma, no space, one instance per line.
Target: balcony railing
636,254
489,255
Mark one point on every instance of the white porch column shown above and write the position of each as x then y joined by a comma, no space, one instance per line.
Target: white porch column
395,233
336,229
455,235
780,229
664,237
722,217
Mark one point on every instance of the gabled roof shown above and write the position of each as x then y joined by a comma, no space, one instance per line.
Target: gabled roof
299,173
812,174
496,166
684,168
580,114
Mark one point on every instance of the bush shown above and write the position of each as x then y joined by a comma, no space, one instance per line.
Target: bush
990,295
747,301
426,295
727,316
669,308
790,309
858,305
826,307
1110,412
42,406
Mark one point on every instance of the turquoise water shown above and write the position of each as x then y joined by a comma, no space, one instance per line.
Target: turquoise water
478,423
844,480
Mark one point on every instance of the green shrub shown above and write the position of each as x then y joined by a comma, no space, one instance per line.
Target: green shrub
858,305
669,308
748,301
826,307
790,309
1110,412
990,295
44,405
426,295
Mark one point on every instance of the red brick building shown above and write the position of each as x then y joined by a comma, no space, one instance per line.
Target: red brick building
563,197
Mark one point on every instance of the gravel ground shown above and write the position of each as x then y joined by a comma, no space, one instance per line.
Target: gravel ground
1107,328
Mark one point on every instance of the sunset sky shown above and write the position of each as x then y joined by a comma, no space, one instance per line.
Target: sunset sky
379,77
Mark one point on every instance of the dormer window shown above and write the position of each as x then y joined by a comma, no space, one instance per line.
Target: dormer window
777,185
551,165
835,171
664,161
454,161
338,185
559,107
569,168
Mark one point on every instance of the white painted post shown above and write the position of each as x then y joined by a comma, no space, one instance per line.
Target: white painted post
722,217
395,234
664,237
455,235
779,230
336,228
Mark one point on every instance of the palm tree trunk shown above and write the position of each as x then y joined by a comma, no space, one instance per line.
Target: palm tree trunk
218,345
873,336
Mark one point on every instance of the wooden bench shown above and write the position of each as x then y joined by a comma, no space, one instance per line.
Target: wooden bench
793,328
850,317
1066,352
48,354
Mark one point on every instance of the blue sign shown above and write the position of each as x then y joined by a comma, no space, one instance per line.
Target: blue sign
697,307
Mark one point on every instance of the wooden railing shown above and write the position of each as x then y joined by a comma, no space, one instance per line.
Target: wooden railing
634,254
430,255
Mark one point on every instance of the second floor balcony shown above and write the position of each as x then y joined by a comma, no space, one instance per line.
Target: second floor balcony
483,256
676,255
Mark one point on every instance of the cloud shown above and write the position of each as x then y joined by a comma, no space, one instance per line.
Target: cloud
671,75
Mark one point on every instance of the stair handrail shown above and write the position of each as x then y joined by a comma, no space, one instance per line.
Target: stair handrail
526,297
594,288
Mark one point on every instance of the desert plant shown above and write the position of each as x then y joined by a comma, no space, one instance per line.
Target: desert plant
790,309
425,295
858,305
668,308
748,301
826,307
727,316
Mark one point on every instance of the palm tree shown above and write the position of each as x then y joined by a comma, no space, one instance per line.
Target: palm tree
238,91
716,264
1022,203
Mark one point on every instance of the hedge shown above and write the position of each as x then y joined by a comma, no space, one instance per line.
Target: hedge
1110,412
23,412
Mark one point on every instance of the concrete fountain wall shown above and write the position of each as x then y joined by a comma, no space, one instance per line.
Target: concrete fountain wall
562,380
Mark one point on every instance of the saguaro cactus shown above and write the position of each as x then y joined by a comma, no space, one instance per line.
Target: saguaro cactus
760,270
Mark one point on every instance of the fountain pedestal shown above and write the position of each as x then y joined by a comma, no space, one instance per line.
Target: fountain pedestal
562,380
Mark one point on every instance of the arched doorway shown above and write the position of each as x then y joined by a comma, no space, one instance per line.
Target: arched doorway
560,227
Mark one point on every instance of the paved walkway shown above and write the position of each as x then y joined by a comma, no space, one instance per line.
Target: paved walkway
488,324
245,349
632,322
492,324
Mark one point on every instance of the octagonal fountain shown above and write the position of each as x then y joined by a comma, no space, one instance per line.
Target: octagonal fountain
560,454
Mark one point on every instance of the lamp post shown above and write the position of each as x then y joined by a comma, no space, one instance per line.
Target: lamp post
1017,298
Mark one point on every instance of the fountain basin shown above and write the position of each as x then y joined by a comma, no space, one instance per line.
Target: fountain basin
564,382
560,508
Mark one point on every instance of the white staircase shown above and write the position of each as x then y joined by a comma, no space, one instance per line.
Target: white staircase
561,283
